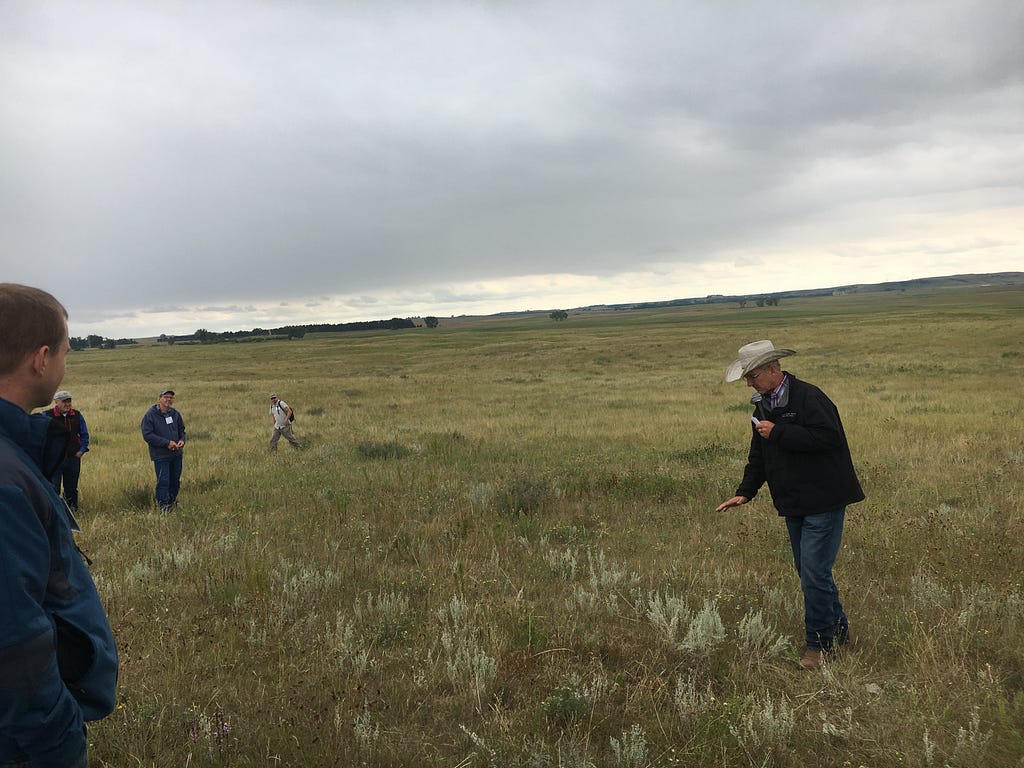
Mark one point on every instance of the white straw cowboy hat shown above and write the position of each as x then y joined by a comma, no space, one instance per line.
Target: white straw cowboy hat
753,355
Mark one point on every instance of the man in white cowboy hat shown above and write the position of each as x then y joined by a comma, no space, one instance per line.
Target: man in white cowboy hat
798,447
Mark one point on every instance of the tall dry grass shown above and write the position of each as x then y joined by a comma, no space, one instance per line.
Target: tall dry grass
498,546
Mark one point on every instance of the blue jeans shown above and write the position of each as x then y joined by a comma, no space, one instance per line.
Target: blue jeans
168,479
815,540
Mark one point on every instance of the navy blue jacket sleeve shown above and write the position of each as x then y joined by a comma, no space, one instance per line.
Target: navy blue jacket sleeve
83,434
37,712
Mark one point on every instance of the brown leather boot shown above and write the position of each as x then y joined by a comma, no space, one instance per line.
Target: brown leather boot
811,660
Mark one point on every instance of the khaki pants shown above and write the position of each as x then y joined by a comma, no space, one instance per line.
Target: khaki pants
286,432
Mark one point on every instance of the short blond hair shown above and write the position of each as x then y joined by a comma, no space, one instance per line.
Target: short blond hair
30,318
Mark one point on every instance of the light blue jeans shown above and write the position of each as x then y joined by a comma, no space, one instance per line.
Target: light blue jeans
815,540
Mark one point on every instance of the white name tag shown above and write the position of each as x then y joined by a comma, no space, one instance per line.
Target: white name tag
169,419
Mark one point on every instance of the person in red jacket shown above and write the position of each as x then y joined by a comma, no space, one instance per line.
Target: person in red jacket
78,443
799,448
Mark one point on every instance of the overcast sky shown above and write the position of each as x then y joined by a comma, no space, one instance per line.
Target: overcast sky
173,165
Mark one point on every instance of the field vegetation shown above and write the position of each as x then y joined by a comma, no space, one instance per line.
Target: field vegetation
498,546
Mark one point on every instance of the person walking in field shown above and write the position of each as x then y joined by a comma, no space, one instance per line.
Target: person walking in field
283,416
163,429
799,448
78,443
58,660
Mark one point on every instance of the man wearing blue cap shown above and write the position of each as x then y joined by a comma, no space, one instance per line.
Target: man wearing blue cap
163,429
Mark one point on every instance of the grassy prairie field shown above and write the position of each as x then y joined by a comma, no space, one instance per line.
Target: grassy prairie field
498,546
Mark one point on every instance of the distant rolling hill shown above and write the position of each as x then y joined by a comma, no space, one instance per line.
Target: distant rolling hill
950,281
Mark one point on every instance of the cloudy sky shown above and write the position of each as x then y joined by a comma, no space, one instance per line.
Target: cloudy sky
171,165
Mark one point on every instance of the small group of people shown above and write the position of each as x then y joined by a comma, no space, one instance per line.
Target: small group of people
163,429
58,658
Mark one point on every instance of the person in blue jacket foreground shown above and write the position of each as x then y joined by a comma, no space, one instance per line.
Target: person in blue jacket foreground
58,660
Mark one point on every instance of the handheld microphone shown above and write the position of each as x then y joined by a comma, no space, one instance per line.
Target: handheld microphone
757,399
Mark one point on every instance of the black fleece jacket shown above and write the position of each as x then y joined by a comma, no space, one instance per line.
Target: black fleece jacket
805,460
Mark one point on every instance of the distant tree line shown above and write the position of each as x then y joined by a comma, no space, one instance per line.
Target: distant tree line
394,324
92,341
764,301
204,336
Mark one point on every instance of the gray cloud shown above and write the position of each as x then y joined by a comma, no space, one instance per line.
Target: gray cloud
210,159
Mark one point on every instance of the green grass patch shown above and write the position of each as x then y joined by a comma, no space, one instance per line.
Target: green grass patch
499,546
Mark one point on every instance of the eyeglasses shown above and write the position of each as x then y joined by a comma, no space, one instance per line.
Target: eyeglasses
754,375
